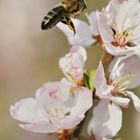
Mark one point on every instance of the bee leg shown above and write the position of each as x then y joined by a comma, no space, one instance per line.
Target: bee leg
70,24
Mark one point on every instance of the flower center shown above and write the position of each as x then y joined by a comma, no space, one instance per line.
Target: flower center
56,113
121,39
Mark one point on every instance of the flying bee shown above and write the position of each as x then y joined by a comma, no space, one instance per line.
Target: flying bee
63,13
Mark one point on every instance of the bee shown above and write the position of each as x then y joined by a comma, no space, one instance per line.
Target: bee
63,13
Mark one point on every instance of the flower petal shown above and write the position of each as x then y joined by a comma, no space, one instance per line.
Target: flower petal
83,101
136,100
68,122
123,102
72,64
48,95
102,88
99,78
93,23
106,121
65,86
115,51
80,50
40,127
83,34
104,29
28,110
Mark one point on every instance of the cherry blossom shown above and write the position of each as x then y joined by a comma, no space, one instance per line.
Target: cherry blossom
127,65
56,106
85,34
115,89
59,106
72,64
119,26
106,121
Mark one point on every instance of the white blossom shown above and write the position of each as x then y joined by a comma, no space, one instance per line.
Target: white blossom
127,65
115,88
56,106
119,25
106,121
72,64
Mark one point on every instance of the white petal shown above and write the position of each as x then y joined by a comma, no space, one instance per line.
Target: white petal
129,17
83,34
68,122
93,23
104,29
114,69
48,95
40,127
102,88
28,110
128,65
136,100
72,64
121,18
111,8
123,102
99,78
65,86
83,101
50,89
117,51
79,50
106,121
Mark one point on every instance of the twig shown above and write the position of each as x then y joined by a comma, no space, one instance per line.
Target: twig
106,60
63,135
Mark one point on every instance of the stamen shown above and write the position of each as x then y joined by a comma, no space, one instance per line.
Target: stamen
121,38
121,83
57,112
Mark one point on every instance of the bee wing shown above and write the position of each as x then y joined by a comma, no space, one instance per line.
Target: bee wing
53,17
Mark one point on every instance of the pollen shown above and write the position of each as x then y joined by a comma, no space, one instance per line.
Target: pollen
56,113
121,83
121,39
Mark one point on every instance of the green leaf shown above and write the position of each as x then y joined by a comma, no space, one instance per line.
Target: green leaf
86,80
91,79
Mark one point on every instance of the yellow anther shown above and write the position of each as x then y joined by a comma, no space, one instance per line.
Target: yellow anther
121,38
121,83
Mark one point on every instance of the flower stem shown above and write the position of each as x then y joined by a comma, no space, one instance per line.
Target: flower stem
63,135
106,60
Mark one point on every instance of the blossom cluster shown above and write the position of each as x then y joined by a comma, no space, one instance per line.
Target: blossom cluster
62,105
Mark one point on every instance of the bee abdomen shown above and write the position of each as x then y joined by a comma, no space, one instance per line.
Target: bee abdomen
53,17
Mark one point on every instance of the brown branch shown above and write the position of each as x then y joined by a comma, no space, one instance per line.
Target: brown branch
106,60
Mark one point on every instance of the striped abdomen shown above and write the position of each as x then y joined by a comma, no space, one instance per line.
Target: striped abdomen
53,17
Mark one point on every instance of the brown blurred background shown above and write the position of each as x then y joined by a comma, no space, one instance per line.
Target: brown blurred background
29,57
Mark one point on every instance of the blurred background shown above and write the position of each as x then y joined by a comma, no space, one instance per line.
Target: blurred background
29,58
